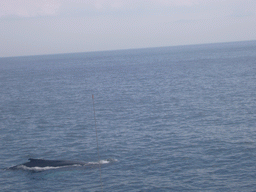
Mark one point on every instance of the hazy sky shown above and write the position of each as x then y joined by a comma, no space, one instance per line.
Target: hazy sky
33,27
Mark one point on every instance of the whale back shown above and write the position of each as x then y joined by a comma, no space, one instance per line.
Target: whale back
49,163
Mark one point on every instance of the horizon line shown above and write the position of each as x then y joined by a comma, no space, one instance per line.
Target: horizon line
125,49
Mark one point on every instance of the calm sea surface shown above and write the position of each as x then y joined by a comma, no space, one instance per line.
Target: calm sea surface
168,119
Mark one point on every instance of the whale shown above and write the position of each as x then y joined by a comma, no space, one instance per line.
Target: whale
42,163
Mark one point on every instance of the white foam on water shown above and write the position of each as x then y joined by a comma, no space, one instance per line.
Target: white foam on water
105,161
23,167
37,168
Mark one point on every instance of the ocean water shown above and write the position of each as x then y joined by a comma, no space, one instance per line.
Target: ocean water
168,119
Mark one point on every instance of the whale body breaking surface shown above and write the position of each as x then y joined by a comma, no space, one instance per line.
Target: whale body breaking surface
42,164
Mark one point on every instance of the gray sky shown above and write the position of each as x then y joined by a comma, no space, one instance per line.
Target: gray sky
33,27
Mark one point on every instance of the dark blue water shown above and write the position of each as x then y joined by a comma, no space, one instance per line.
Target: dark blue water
168,119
